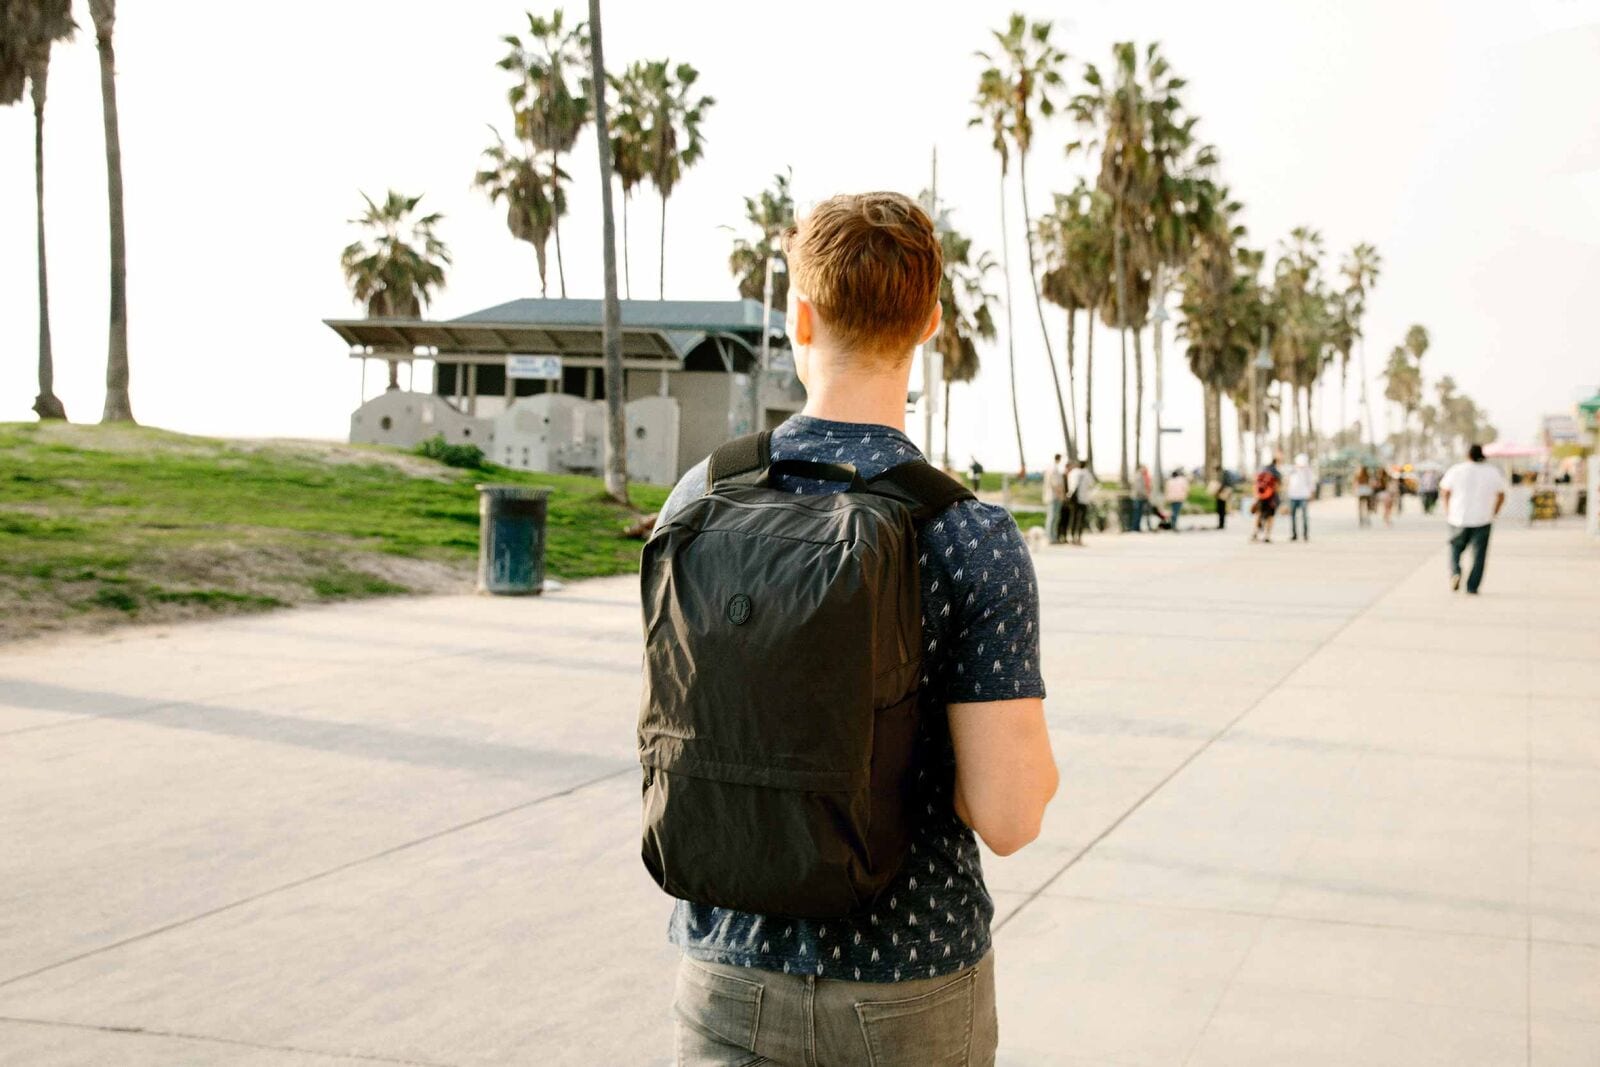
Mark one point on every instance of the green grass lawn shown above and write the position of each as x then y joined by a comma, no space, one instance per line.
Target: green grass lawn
102,524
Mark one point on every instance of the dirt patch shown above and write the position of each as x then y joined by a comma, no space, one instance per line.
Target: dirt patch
340,454
214,581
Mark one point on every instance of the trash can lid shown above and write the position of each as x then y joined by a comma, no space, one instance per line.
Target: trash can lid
514,492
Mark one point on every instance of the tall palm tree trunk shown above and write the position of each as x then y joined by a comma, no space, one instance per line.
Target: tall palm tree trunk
1138,396
1213,413
1011,333
611,323
1311,423
1122,329
661,261
555,186
627,276
46,404
1344,384
1238,430
117,406
1088,391
1072,385
1296,437
1038,303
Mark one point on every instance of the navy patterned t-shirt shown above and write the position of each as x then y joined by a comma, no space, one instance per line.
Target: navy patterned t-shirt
980,629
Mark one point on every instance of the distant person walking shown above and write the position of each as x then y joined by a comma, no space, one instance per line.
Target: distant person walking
1302,484
1473,492
975,473
1177,493
1141,497
1054,490
1364,496
1080,494
1383,493
1428,487
1222,492
1269,483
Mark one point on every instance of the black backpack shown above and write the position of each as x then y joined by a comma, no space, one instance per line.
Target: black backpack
783,656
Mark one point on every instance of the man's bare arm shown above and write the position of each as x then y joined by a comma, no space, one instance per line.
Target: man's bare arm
1005,771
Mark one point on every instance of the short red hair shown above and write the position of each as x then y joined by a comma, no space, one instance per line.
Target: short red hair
871,265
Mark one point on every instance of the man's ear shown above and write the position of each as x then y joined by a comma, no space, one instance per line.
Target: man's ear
934,321
804,324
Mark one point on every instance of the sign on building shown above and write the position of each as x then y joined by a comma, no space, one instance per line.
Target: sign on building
544,368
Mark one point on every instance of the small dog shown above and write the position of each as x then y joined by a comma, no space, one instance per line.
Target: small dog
1036,538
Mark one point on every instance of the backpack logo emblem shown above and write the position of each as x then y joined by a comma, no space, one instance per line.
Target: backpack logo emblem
738,609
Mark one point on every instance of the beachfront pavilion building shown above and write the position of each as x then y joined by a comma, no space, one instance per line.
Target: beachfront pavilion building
525,381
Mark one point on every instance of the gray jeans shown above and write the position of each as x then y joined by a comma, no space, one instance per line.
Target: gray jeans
742,1017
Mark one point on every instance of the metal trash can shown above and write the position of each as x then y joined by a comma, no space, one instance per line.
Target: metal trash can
511,528
1125,512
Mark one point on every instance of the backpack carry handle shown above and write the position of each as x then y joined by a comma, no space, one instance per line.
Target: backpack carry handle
806,468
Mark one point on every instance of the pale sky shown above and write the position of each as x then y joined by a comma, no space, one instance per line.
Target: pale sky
1459,137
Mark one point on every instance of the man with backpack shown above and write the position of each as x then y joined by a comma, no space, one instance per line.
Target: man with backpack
842,694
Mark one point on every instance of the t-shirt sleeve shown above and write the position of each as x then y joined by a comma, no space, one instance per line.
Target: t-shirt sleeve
995,642
1448,482
691,485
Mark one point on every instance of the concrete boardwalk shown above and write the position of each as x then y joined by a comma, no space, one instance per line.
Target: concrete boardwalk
1316,810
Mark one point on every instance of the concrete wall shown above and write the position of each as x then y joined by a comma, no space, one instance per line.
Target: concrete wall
405,420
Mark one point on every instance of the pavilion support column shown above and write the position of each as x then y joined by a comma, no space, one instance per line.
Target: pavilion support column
472,388
363,398
511,389
588,384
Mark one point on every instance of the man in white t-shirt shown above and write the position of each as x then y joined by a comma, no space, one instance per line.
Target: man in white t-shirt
1052,500
1302,485
1473,494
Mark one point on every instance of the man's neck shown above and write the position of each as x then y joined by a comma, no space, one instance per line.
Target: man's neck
839,392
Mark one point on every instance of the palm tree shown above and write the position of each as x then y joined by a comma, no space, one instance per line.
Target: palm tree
28,29
1220,308
629,148
1182,202
1028,65
611,326
1416,343
1302,338
967,307
994,109
118,408
1088,278
1342,339
673,142
533,197
770,213
549,116
1116,112
1360,270
1445,387
1403,387
395,270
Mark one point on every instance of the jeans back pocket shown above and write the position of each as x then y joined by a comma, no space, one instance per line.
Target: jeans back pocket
931,1030
718,1005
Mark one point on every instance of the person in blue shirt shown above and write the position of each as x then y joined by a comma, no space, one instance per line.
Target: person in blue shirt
911,978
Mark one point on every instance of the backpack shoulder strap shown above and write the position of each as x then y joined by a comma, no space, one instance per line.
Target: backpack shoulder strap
926,488
742,455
